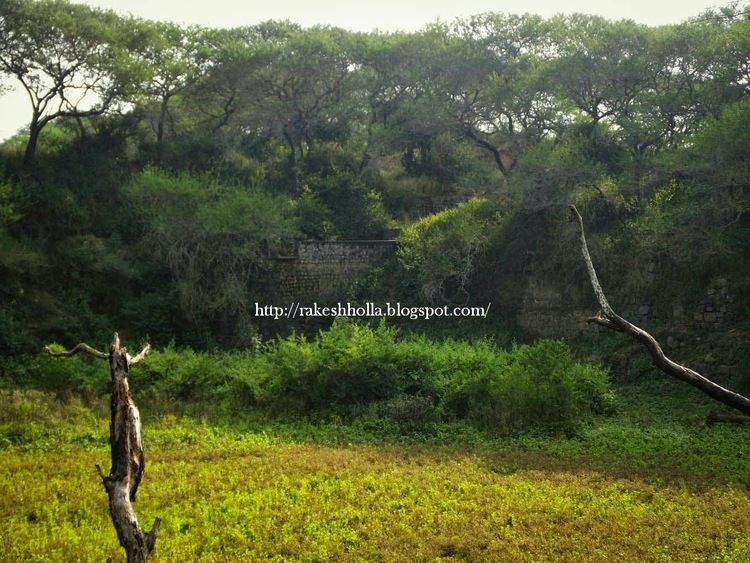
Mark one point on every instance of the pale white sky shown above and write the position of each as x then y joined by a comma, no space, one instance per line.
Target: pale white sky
388,15
385,15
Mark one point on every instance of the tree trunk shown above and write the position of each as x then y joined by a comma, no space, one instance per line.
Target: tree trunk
290,143
715,417
486,145
126,451
127,461
161,123
29,155
609,319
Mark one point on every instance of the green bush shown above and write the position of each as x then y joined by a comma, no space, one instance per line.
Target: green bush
183,375
81,374
537,386
348,364
359,370
440,250
409,412
532,386
211,237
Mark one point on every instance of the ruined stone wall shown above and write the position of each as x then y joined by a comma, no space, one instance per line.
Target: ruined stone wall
323,271
550,309
345,255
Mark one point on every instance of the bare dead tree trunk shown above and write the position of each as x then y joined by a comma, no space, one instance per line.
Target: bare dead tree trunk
609,319
126,445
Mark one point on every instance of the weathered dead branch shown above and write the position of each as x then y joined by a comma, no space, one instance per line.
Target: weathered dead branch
609,319
82,347
138,357
128,462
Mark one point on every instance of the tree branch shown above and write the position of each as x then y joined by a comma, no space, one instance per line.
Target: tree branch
135,359
609,319
602,321
82,347
717,417
471,134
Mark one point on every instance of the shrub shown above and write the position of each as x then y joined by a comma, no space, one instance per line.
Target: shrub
536,386
81,374
212,237
440,250
410,412
348,364
356,369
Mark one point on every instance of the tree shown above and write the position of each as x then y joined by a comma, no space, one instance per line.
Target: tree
213,238
442,249
128,462
224,90
166,59
64,56
308,80
687,80
233,94
411,81
600,64
739,48
508,106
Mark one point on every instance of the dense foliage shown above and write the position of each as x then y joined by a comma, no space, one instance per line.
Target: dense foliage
161,163
162,166
355,370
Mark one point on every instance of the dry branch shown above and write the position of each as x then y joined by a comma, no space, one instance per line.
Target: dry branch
126,445
137,358
82,347
609,319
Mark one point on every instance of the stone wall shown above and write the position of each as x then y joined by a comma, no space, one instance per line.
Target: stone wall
344,255
323,271
550,309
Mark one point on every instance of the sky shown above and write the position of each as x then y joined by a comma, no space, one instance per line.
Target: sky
384,15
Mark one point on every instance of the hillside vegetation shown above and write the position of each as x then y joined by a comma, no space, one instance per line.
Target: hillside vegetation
151,204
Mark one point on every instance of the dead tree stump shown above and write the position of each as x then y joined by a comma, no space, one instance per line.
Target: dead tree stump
126,451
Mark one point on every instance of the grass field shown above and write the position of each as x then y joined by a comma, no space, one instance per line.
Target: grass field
650,483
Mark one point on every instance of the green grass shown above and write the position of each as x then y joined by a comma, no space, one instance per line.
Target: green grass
651,483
